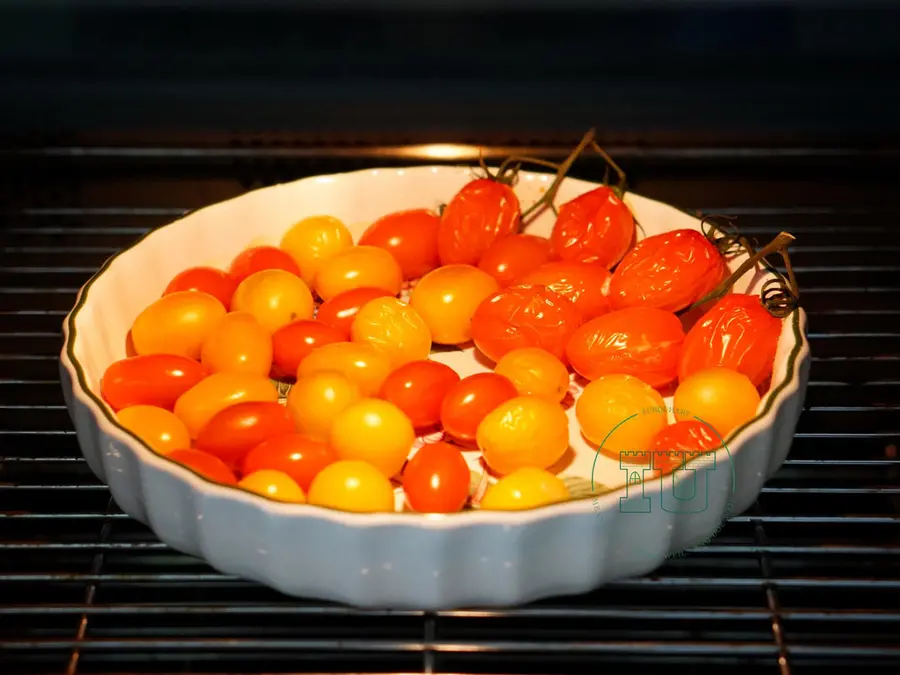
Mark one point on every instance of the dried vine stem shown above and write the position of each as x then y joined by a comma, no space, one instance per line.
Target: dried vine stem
548,196
725,236
619,189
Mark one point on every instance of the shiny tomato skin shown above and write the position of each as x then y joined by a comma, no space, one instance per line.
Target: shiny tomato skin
294,342
340,311
158,428
154,379
177,323
208,466
688,436
238,344
234,431
259,258
199,404
469,401
418,388
584,283
410,236
482,212
511,258
446,299
594,227
218,283
358,267
275,298
296,455
524,316
436,479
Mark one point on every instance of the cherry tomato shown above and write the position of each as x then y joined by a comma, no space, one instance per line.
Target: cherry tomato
721,398
201,402
157,427
470,400
294,342
362,364
523,431
234,431
436,479
274,485
535,372
275,298
373,431
178,323
208,466
670,271
447,298
737,333
511,258
215,282
482,212
393,328
595,227
340,311
155,379
316,400
418,388
352,486
295,455
524,316
238,344
583,283
527,488
314,240
670,445
640,341
358,267
410,236
259,258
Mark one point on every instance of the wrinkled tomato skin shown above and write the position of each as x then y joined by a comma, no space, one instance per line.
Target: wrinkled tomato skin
340,311
218,283
208,466
667,451
737,333
594,227
296,455
154,379
482,212
410,236
233,432
294,342
468,402
524,316
581,282
669,271
436,479
261,258
418,388
641,341
511,258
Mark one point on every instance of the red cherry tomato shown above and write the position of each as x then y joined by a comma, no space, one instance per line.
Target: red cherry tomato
418,388
410,236
206,465
482,212
294,342
670,445
511,258
470,400
737,333
233,432
581,282
218,283
670,271
154,379
340,311
595,227
296,455
524,316
436,479
259,258
641,341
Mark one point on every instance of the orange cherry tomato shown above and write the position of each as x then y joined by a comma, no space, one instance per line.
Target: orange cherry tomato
259,258
275,298
155,379
482,212
470,400
584,283
418,388
208,466
200,403
178,323
535,372
410,236
446,299
436,479
238,344
670,271
523,431
595,227
295,455
316,400
314,240
215,282
373,431
234,431
394,328
524,316
274,485
340,311
354,486
511,258
294,342
358,267
158,428
360,363
670,445
722,398
641,341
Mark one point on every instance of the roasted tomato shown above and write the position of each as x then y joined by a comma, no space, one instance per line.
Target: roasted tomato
670,271
671,444
583,283
524,316
233,432
217,283
393,328
469,401
477,216
154,379
294,342
595,227
511,258
261,258
640,341
340,311
722,398
410,236
737,333
418,388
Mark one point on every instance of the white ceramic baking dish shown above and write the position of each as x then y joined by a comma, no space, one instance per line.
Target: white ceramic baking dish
400,560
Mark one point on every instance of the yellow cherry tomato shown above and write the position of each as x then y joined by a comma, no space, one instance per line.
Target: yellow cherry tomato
373,431
238,344
315,400
535,372
526,488
314,240
178,323
352,486
393,328
157,427
275,485
274,298
363,364
720,397
200,403
359,267
523,431
446,299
